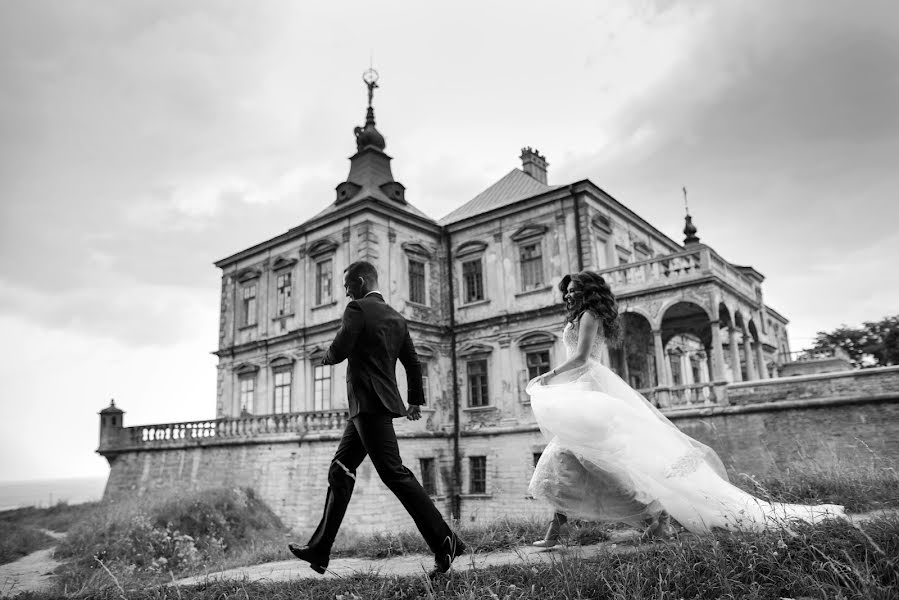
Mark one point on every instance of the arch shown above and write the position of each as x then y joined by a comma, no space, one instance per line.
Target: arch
280,361
533,338
672,302
753,331
424,350
475,348
470,247
639,310
322,246
685,316
245,368
634,357
724,317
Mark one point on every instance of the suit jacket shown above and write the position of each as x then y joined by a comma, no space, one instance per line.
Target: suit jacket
372,336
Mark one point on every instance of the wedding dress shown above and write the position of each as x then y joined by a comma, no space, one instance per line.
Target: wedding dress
612,456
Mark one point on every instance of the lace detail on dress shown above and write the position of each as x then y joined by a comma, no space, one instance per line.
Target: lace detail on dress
686,464
570,337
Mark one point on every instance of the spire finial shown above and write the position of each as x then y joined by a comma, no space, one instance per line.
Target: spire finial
689,227
370,77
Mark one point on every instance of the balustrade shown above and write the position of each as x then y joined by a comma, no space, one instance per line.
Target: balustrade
256,426
687,396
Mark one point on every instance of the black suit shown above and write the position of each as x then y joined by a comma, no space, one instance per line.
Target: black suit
373,336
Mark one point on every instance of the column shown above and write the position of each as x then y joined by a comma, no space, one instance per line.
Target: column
760,360
622,356
747,352
664,379
717,353
735,354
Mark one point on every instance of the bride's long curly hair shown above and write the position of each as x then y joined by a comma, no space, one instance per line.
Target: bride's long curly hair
595,295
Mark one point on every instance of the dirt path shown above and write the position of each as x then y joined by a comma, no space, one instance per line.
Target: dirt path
30,573
415,564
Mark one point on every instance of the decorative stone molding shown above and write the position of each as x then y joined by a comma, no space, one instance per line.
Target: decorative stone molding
245,369
470,248
475,349
535,338
321,247
602,223
248,274
283,263
281,361
416,249
529,231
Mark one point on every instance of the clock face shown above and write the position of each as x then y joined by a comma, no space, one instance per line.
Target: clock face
370,77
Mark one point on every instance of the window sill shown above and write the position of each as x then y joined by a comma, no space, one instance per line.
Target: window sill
476,496
417,304
540,290
251,326
475,303
327,305
284,316
488,408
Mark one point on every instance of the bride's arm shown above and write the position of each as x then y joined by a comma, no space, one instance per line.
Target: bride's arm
587,332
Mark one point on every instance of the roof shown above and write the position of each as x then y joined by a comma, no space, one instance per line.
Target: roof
514,186
369,192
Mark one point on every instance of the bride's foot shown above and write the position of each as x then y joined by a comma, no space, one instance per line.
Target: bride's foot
659,528
552,534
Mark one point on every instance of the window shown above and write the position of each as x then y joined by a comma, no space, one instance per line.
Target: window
324,275
283,380
424,381
538,362
284,292
473,280
321,395
247,393
249,304
417,281
477,383
531,256
428,475
694,368
477,471
676,375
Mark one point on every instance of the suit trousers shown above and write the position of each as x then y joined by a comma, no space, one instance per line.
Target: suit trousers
373,435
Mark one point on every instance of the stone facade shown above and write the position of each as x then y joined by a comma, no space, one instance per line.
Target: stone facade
478,291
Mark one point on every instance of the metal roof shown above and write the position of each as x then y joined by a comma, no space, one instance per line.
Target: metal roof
514,186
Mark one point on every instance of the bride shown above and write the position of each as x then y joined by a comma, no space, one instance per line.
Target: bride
612,456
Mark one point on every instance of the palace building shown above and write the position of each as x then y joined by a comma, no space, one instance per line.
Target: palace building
478,289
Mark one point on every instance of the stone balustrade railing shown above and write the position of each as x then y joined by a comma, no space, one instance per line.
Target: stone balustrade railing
223,430
671,268
687,396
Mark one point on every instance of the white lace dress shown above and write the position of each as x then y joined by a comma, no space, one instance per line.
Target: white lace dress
612,456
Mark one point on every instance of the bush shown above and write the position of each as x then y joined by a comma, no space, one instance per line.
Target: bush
150,537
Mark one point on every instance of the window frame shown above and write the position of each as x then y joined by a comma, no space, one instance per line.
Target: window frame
317,277
283,294
477,475
484,385
318,403
249,305
423,300
241,379
427,466
279,387
540,281
471,260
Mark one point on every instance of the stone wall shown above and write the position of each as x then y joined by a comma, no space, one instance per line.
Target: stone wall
825,423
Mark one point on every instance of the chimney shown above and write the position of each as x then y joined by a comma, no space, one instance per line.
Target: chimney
533,164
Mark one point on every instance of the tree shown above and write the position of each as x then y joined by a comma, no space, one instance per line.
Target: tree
874,344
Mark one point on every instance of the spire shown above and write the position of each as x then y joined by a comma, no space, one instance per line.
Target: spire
370,174
689,227
368,135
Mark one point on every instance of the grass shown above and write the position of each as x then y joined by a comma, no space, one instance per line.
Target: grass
17,541
21,529
132,548
831,560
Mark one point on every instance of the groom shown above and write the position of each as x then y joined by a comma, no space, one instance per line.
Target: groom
372,336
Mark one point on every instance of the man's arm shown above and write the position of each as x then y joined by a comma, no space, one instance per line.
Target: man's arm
409,358
351,327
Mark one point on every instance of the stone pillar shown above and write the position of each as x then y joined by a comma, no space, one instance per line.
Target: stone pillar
662,375
760,360
717,353
622,356
747,353
735,354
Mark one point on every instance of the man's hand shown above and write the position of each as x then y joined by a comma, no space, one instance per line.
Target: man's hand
413,413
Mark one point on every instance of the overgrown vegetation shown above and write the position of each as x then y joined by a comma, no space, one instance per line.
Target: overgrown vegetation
22,529
17,541
832,560
152,539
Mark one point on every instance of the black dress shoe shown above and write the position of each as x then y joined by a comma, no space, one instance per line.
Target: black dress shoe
317,561
444,559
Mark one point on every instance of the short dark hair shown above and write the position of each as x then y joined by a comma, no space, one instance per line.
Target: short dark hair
363,269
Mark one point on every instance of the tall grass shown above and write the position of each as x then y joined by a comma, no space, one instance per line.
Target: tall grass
830,560
17,541
139,541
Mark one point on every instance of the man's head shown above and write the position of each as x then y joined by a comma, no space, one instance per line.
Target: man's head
360,278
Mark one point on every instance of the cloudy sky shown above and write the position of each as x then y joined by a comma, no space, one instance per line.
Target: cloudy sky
142,140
